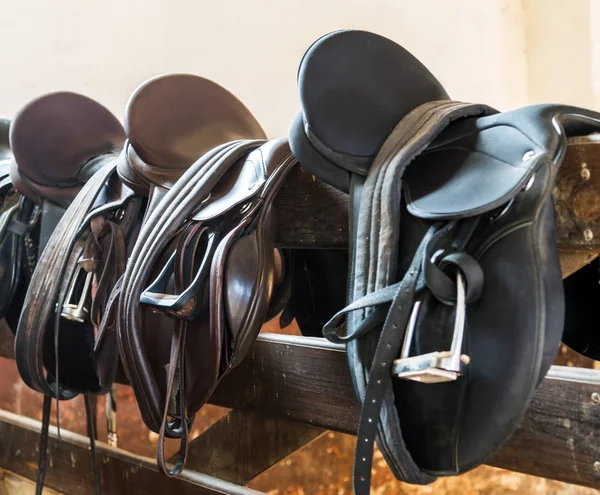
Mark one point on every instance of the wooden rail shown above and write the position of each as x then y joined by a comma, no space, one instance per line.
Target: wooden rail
290,390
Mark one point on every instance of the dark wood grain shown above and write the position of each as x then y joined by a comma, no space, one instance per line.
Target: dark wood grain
243,444
305,379
560,436
69,465
300,378
577,195
311,214
559,439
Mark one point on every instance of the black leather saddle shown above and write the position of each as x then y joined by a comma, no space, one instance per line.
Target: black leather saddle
455,301
65,147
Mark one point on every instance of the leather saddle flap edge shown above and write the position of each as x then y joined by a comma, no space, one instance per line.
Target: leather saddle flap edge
481,170
243,181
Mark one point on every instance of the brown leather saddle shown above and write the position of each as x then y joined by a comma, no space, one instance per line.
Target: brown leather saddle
65,148
455,301
202,275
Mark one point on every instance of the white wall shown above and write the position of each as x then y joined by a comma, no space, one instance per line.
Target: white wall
104,49
559,51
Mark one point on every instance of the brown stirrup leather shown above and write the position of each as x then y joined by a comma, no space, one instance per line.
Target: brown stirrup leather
65,148
200,279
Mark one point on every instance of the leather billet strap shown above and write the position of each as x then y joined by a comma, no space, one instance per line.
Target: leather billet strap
47,284
375,257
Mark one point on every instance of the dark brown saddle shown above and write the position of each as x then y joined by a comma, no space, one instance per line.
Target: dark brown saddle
455,302
202,275
65,148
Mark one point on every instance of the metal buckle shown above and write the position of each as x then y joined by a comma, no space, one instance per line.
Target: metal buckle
78,311
438,366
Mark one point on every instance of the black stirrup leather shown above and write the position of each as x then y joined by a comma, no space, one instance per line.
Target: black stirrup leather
455,300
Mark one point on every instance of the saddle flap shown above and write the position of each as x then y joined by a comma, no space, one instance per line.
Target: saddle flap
468,171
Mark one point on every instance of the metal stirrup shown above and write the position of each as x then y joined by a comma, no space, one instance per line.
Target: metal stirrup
438,366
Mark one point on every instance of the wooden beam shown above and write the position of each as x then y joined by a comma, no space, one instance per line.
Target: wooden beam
243,444
313,214
305,380
69,471
12,484
577,195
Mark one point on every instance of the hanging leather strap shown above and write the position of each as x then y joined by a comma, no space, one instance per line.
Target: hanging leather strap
43,444
92,436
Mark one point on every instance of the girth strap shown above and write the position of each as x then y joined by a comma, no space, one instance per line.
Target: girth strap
45,433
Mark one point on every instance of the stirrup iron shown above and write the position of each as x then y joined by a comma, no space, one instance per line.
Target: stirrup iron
78,311
438,366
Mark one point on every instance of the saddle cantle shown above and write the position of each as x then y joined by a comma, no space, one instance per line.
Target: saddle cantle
455,295
203,267
65,147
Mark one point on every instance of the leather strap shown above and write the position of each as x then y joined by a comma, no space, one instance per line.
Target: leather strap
39,486
176,367
92,436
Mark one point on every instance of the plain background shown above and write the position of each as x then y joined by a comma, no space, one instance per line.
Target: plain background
505,53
